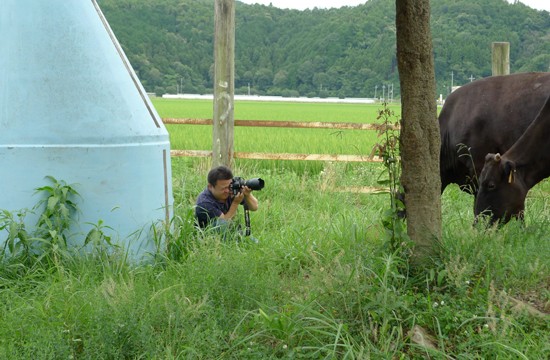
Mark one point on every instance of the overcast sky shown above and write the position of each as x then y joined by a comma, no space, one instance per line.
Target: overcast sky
305,4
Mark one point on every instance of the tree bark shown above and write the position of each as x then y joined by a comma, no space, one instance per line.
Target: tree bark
224,83
420,139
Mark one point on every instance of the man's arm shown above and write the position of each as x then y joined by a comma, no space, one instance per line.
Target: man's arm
230,214
249,199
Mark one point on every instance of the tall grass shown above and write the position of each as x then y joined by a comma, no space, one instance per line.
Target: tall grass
320,284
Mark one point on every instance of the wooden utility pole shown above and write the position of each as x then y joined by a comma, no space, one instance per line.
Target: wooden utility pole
224,82
501,58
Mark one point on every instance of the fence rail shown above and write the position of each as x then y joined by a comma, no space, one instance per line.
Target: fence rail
280,156
285,124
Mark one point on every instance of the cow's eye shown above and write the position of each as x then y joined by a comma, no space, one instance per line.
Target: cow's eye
491,186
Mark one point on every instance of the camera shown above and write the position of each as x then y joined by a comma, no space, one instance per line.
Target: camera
238,183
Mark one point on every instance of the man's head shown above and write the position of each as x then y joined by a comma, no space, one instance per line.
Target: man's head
219,181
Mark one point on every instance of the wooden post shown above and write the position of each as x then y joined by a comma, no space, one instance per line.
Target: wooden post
224,85
501,58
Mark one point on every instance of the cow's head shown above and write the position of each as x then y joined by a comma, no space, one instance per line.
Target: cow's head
501,192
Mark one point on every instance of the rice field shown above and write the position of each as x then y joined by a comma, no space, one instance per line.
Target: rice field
282,140
279,140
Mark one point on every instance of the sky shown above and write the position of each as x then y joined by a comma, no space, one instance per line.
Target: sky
310,4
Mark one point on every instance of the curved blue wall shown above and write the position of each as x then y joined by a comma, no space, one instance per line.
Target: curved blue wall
72,107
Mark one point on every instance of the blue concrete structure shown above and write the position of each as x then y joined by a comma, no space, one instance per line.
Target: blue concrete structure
72,107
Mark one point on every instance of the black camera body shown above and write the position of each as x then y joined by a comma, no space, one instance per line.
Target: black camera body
238,183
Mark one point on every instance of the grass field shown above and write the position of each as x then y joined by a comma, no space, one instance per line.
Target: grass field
320,284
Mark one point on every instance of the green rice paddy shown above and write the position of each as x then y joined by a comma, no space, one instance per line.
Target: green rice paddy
279,140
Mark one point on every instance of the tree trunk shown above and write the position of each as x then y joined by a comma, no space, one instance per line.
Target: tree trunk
420,139
224,83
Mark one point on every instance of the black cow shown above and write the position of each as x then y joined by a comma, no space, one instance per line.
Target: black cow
486,116
506,179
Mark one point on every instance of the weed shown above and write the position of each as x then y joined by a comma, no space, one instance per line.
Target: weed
472,183
388,150
100,243
58,213
48,241
18,241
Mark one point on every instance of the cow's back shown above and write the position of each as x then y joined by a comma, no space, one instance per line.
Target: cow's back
484,116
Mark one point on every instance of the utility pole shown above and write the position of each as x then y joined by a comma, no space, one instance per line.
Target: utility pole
224,83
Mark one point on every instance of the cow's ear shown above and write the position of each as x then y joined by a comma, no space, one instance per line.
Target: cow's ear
490,157
510,170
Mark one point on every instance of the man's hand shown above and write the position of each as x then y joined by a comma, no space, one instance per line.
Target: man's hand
249,199
246,190
244,195
240,197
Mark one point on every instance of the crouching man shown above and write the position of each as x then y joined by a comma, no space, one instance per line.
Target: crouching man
217,206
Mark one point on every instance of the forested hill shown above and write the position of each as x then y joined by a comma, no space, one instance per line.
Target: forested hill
346,52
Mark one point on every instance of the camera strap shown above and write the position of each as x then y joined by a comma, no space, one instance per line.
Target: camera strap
246,220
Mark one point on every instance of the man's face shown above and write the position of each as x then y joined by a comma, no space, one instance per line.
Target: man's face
221,191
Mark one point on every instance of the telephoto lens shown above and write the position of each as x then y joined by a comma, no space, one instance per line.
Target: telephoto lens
255,184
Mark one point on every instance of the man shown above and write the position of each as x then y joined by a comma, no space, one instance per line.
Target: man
216,205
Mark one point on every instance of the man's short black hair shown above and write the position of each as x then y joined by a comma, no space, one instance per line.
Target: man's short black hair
219,173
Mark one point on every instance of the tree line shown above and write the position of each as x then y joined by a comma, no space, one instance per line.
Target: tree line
346,52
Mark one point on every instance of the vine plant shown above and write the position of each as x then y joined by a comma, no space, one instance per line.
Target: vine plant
388,149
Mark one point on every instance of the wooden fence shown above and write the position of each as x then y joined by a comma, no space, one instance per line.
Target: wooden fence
285,124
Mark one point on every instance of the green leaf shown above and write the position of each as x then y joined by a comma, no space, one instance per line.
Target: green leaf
94,237
52,202
64,212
